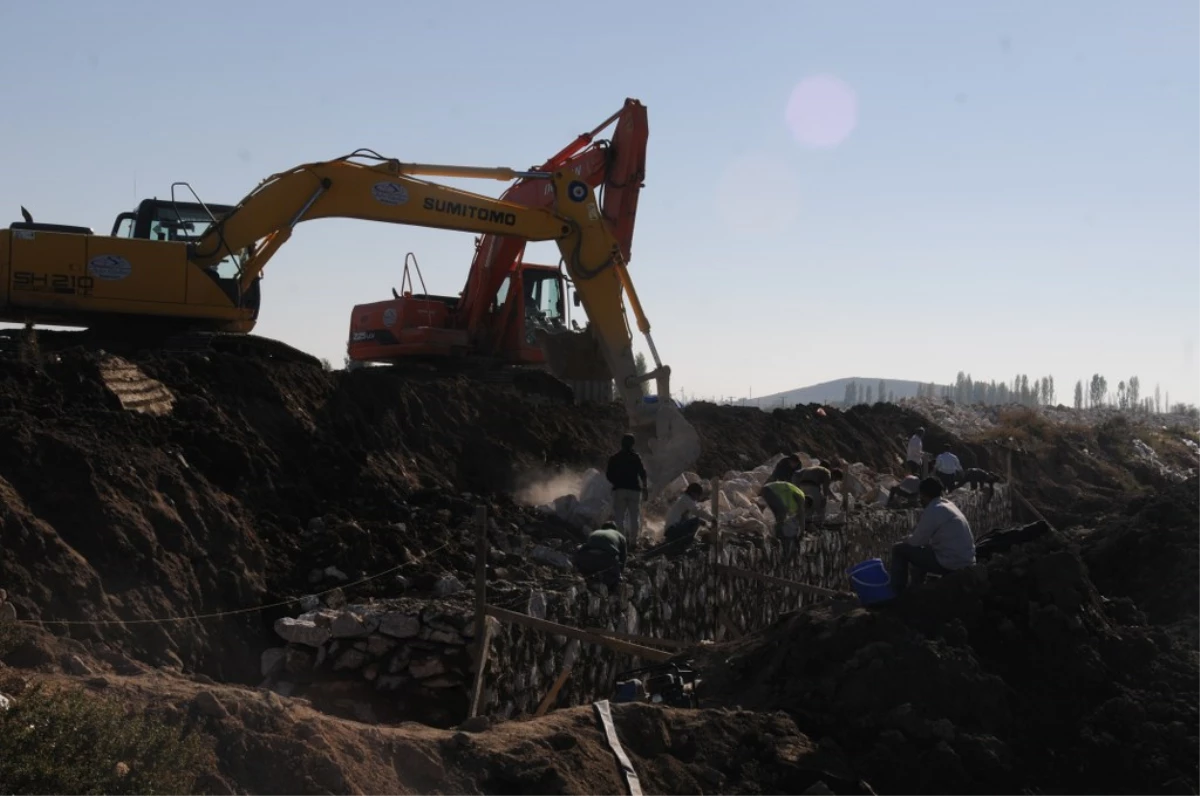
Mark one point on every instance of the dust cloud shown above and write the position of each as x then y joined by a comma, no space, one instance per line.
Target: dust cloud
542,487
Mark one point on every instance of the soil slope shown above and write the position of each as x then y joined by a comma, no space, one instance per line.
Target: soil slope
1015,677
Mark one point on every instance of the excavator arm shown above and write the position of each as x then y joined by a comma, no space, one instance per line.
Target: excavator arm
385,190
391,191
618,165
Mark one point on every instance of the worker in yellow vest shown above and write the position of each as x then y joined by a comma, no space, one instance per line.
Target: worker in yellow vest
787,502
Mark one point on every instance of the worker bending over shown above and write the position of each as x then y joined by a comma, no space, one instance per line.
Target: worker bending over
627,475
940,543
788,503
785,468
683,518
904,494
948,469
602,555
815,483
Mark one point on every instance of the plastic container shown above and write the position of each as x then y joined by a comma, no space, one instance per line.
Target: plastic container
871,582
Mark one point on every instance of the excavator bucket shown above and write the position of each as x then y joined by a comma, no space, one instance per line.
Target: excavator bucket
577,359
668,443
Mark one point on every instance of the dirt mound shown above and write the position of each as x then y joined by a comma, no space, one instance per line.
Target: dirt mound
264,743
738,438
1151,554
1072,466
167,484
112,514
1015,676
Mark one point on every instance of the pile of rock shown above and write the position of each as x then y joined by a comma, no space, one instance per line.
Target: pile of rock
1149,457
415,648
741,508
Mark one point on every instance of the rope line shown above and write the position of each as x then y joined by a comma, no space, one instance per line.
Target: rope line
234,612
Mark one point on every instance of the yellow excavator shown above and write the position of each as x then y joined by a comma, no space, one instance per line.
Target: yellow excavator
194,267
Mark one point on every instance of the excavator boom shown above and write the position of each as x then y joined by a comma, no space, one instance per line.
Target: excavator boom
619,167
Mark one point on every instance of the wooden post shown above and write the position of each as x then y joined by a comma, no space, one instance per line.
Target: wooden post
482,636
718,546
715,487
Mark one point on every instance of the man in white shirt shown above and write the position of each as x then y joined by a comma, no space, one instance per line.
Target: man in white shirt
915,457
941,542
683,518
948,468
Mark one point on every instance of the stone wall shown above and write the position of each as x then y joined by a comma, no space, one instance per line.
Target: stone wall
418,654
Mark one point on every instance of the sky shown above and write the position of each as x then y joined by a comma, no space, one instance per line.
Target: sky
892,190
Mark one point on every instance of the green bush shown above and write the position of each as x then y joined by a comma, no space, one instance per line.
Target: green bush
73,741
12,635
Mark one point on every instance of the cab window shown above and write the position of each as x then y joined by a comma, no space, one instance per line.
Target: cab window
545,294
124,226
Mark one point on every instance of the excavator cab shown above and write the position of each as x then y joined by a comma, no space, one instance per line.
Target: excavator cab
67,275
187,222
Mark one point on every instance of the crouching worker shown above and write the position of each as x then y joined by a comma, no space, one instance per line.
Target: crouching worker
904,494
978,477
941,543
683,518
602,555
788,503
815,483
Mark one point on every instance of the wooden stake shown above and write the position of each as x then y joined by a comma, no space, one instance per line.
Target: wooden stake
715,487
647,640
482,636
568,664
728,624
1037,515
718,544
774,581
483,645
555,629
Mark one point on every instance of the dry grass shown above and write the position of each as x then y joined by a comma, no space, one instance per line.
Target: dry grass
72,741
1020,424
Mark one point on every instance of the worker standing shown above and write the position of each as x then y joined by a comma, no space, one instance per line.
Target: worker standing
683,518
787,502
627,475
940,543
816,483
948,468
914,460
602,555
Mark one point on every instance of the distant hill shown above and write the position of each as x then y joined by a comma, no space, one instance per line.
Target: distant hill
834,392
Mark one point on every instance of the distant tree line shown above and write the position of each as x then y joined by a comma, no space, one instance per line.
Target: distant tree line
1093,393
868,394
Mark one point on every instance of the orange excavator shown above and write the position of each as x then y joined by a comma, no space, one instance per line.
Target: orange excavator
512,312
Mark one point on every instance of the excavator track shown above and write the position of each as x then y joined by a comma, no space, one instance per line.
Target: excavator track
30,345
240,344
537,385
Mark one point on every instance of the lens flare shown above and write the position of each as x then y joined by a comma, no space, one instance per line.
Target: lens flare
822,111
756,194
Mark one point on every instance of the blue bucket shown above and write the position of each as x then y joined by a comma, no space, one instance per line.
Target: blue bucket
871,582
